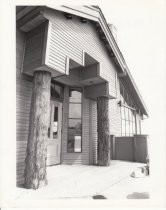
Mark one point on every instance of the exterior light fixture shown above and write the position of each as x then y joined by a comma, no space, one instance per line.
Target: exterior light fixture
120,103
68,16
103,38
83,20
112,54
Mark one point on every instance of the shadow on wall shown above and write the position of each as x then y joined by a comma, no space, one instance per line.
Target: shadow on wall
136,195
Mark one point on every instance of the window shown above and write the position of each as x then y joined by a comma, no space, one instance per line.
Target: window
138,119
53,124
75,121
127,113
56,90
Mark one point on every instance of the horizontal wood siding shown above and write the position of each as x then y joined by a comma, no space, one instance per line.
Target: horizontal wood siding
53,59
75,158
114,113
114,117
34,48
138,123
69,38
72,36
23,100
93,132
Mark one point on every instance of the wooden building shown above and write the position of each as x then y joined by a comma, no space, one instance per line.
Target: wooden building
74,89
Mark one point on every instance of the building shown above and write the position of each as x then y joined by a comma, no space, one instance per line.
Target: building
74,91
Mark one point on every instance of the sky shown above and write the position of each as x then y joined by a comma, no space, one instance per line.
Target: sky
141,37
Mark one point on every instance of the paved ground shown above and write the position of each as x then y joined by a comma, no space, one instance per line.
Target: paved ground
91,182
129,188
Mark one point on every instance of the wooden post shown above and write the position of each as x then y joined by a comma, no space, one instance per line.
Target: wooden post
35,163
103,156
113,149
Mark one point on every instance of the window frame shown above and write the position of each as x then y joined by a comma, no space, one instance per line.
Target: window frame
126,108
81,91
54,98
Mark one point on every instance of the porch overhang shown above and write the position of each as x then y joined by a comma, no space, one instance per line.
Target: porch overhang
97,90
29,17
42,53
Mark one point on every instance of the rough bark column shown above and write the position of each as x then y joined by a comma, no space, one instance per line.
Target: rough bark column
103,151
35,168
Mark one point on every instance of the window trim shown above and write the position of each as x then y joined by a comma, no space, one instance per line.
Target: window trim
54,98
127,120
75,88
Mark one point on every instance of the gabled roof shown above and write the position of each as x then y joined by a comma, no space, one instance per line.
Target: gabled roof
95,14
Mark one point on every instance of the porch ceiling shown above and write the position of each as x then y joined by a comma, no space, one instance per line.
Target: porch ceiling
81,75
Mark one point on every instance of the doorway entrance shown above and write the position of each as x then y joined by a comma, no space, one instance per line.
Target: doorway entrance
54,134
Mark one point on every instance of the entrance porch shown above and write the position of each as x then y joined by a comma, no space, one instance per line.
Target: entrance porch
83,181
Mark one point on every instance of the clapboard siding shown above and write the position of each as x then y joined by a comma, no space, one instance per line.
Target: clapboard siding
114,113
34,48
114,117
138,123
75,158
71,37
93,132
23,100
68,38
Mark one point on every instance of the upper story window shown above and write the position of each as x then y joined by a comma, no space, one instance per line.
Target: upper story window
56,90
128,113
74,143
125,97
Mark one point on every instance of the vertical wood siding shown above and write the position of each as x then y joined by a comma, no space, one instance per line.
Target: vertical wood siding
71,37
75,158
23,100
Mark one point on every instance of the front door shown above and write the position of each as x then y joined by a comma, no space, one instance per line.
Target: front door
54,134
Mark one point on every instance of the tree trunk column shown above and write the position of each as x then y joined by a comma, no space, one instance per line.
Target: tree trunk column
103,155
35,163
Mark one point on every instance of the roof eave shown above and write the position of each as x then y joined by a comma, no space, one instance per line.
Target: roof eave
144,110
143,107
98,16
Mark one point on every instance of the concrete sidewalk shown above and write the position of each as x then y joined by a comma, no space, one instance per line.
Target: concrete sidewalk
81,181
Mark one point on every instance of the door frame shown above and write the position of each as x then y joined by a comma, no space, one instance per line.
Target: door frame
58,104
